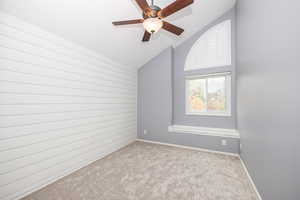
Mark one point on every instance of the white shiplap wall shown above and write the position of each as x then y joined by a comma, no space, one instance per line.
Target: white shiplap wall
61,107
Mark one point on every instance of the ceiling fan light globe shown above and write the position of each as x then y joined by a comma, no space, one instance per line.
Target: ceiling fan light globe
152,25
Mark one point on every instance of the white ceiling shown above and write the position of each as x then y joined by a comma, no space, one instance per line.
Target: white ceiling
88,23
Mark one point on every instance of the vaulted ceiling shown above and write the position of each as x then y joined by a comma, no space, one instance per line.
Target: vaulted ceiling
88,23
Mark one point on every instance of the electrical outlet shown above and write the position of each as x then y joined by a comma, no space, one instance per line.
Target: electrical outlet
224,142
145,132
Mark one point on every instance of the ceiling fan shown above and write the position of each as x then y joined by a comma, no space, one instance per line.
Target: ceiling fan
153,15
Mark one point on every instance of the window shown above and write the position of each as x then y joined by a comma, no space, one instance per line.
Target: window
212,49
209,94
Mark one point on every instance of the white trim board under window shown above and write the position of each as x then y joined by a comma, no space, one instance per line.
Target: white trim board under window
208,94
216,132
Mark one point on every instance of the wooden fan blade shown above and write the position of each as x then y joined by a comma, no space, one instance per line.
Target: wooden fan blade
143,4
134,21
172,28
146,36
174,7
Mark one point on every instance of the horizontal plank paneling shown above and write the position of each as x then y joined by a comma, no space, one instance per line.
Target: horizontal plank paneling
16,121
62,165
82,81
67,87
61,107
42,137
8,110
46,151
60,46
57,69
39,128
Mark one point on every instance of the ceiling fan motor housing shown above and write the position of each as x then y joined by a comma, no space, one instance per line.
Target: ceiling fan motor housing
153,12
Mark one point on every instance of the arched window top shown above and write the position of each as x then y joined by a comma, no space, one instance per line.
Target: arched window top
212,49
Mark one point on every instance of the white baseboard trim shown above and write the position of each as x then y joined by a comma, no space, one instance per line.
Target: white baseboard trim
40,185
187,147
197,130
251,180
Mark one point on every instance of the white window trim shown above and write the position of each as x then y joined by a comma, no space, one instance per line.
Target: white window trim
227,113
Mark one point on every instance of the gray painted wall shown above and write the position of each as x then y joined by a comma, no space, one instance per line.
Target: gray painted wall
268,94
155,97
180,54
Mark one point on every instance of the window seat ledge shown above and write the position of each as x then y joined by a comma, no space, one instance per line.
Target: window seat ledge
197,130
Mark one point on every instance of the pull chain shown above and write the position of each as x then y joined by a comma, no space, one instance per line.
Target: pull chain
152,2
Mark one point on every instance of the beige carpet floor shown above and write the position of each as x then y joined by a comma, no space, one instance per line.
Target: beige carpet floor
143,171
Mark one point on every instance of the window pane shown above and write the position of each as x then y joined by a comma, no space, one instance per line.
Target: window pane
197,95
216,94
